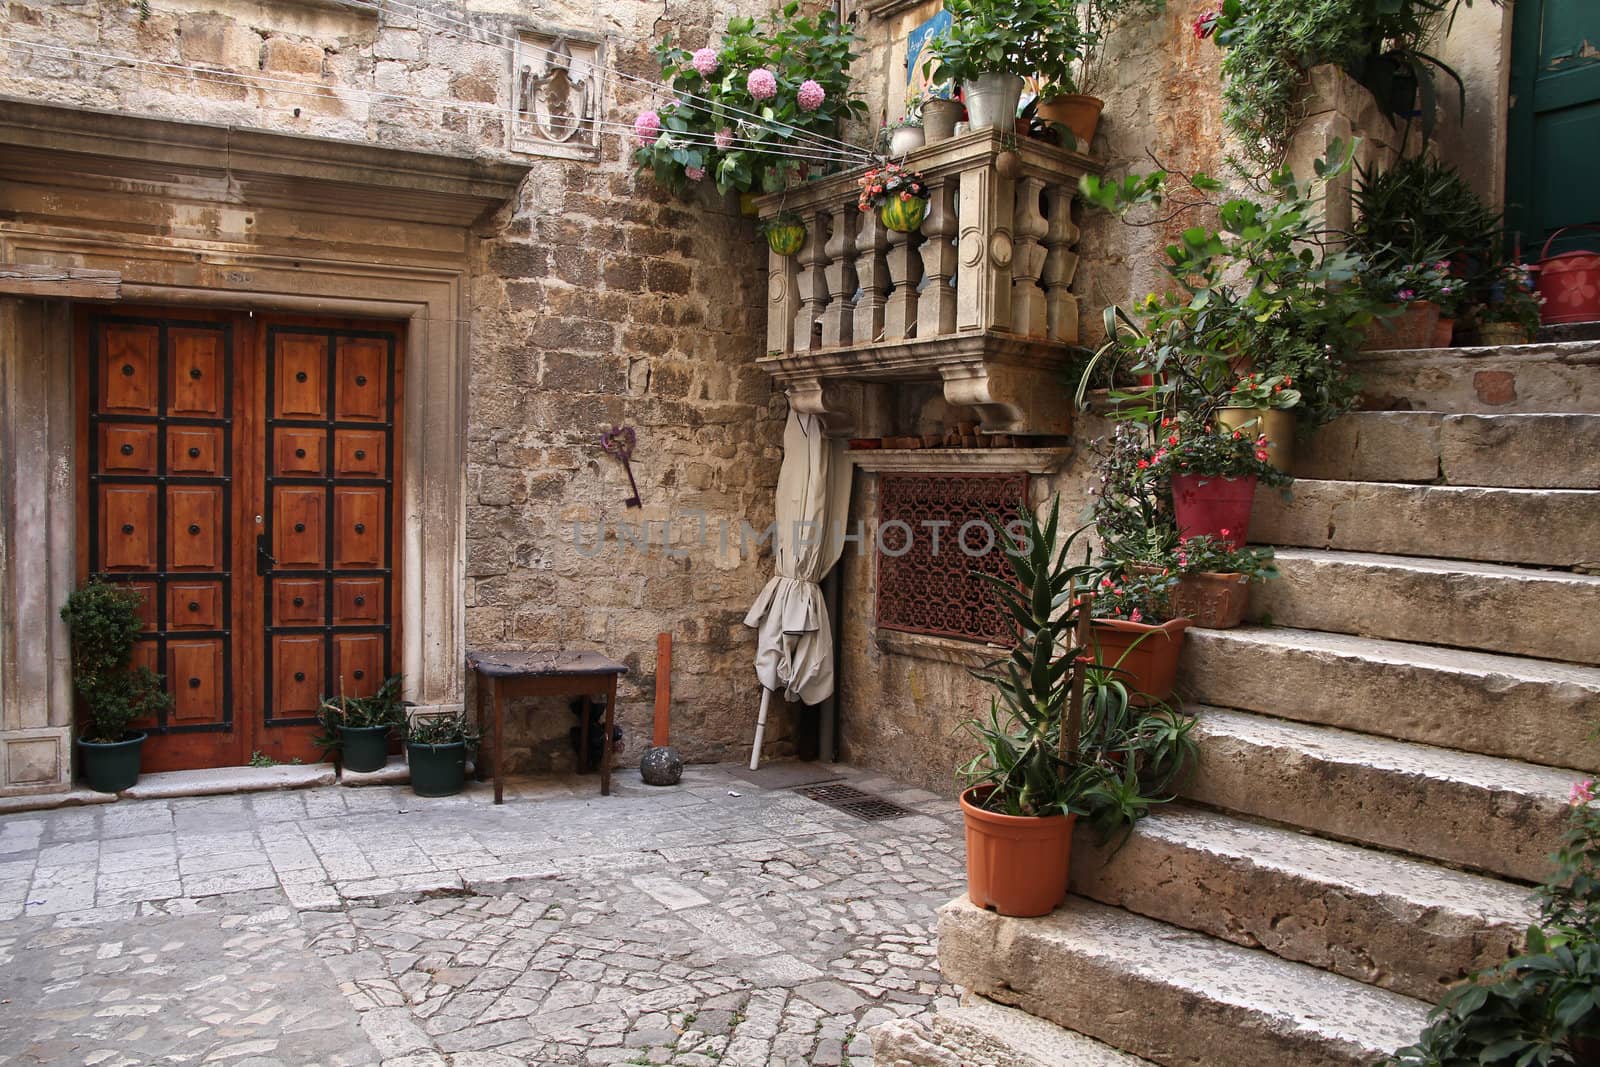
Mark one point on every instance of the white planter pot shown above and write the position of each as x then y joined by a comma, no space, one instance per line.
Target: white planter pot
903,139
992,101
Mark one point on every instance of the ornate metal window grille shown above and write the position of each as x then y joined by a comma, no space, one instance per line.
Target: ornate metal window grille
555,91
924,591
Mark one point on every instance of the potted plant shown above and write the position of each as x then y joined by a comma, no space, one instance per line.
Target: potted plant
1509,314
1069,91
991,45
357,728
906,136
1214,474
1408,294
1262,406
898,195
437,747
1057,743
1214,579
103,619
1136,634
939,117
785,232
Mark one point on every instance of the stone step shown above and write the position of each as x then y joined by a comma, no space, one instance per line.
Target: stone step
1496,816
981,1033
1514,610
1170,995
1529,451
1512,706
1390,921
1548,527
1544,377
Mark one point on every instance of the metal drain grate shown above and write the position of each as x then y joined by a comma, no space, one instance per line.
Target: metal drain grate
853,801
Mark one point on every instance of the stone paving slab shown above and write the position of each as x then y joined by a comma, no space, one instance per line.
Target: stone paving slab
716,922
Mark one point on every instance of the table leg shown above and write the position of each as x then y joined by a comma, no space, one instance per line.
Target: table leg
585,709
606,754
483,723
499,743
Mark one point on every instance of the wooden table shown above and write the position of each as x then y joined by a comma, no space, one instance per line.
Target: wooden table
582,674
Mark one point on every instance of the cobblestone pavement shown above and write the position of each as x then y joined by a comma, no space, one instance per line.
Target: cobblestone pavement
716,922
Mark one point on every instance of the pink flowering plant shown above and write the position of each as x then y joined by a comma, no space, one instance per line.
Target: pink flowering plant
889,182
1512,298
1411,283
1204,554
749,112
1142,598
1184,445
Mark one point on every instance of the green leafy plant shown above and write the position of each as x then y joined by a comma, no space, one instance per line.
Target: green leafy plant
451,729
1269,280
757,112
1204,554
103,618
1541,1007
1423,211
1511,297
1137,593
1018,37
1271,45
1188,446
1254,390
382,708
1110,761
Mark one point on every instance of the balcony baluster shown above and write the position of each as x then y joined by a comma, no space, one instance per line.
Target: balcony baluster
811,283
872,270
1060,266
936,307
838,317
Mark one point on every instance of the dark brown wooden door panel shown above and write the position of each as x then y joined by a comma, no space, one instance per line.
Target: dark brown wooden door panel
128,361
128,449
128,533
195,450
241,475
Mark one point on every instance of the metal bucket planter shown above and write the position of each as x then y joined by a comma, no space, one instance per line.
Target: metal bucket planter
364,748
437,770
939,118
111,767
992,101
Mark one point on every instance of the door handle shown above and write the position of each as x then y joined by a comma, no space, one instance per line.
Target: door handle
264,560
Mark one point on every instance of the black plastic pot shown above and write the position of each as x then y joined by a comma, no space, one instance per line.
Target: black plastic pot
437,770
111,767
364,748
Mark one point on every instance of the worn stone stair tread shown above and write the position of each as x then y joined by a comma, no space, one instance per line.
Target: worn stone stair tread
1510,450
1511,706
981,1033
1523,611
1547,527
1541,377
1500,816
1387,920
1170,995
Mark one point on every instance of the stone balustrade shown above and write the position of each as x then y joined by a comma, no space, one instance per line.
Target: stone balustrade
979,298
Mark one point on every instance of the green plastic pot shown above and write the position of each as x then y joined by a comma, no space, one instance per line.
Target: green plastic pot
437,770
112,766
364,748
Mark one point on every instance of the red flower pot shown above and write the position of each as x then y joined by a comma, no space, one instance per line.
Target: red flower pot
1220,507
1016,865
1145,656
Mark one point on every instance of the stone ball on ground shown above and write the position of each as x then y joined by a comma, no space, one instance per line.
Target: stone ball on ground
661,766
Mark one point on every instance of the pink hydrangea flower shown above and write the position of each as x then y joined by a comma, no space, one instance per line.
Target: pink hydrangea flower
810,95
724,138
1582,792
762,83
647,128
705,61
695,174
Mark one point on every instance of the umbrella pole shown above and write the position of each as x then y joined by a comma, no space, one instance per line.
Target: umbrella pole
761,729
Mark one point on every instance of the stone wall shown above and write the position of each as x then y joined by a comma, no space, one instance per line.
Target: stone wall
596,301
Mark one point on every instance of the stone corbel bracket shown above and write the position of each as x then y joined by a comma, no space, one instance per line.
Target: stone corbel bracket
1016,385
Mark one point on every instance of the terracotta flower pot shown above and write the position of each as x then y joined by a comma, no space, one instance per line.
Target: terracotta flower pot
1277,424
1016,865
1218,507
1501,334
1078,113
1412,328
1145,656
1214,600
1444,333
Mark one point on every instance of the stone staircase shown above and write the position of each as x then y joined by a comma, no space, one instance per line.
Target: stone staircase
1385,755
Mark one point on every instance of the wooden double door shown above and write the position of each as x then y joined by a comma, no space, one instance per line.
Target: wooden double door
241,471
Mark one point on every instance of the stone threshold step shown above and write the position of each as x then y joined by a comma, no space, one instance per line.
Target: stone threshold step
1545,527
1511,706
1519,611
981,1033
1497,816
163,785
1398,923
1170,995
1553,450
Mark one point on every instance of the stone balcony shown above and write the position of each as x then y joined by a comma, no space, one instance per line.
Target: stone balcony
979,300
